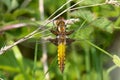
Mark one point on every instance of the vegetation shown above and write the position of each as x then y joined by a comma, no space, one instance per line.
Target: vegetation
93,56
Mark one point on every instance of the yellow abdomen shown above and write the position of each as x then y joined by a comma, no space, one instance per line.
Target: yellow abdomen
61,56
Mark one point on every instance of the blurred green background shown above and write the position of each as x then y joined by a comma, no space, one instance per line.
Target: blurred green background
98,25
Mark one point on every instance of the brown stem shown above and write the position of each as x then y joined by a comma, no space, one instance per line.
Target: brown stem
44,50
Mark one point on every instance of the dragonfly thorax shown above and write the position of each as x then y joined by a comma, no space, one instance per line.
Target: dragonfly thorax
61,29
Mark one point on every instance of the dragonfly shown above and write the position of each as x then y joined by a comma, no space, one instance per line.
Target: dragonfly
61,40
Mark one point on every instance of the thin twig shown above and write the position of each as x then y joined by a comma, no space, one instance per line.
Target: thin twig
87,6
113,2
59,9
13,26
66,10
